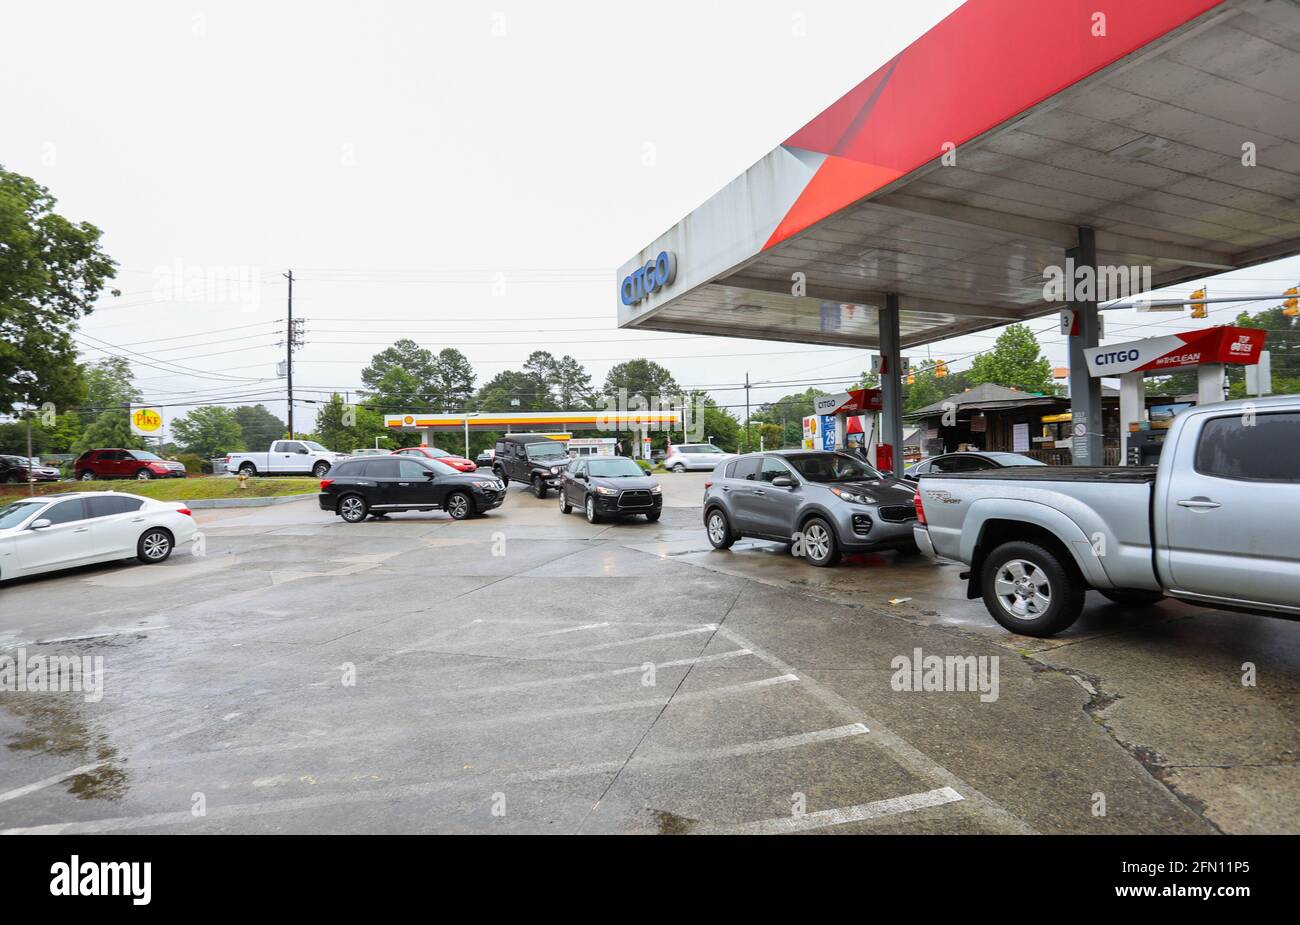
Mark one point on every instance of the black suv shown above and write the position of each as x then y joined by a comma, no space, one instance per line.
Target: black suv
379,485
534,459
604,485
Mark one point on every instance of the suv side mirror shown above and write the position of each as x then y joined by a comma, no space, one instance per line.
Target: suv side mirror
582,476
40,523
783,481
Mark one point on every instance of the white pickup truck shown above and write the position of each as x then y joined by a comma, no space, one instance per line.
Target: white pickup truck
286,457
1217,523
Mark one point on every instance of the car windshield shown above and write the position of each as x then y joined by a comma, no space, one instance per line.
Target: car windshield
1014,459
141,454
831,467
435,453
15,512
547,450
314,447
439,467
701,448
619,467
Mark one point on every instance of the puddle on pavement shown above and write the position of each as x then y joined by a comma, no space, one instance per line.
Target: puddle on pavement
666,823
54,726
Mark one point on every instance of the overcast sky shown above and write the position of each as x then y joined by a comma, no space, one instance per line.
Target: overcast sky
465,174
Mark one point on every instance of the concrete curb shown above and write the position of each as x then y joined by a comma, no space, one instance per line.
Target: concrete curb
209,503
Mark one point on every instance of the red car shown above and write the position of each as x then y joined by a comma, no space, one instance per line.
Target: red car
432,452
125,464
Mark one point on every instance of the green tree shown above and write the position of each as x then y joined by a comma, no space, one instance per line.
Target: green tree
110,386
110,429
51,272
572,384
1015,362
640,377
343,428
259,426
513,390
453,381
209,431
406,356
789,411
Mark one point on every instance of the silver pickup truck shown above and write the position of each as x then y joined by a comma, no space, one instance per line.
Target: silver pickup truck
1216,523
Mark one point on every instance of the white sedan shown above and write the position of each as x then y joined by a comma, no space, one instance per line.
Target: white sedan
52,532
695,456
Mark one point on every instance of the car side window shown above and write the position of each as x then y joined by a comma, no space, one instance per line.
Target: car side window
382,468
290,446
410,469
347,470
948,464
107,506
746,468
730,471
65,512
1265,450
773,468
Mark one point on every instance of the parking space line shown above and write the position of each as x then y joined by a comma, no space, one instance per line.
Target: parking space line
48,782
708,628
895,745
595,675
860,813
561,632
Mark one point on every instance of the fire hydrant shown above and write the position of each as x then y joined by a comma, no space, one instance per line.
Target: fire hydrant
243,480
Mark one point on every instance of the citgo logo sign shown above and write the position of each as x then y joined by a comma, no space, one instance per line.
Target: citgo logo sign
146,420
1118,356
650,278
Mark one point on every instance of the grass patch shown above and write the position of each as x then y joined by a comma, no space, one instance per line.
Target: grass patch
177,489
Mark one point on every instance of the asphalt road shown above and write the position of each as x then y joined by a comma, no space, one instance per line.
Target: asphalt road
528,672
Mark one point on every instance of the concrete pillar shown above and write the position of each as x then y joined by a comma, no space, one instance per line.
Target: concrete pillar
1132,407
1209,383
1085,391
891,385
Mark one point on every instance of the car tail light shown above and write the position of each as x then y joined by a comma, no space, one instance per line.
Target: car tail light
325,483
708,483
186,511
920,508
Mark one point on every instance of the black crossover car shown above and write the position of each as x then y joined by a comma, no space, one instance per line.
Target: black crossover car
609,485
534,459
379,485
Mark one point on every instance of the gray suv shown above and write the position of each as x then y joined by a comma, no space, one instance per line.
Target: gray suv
823,503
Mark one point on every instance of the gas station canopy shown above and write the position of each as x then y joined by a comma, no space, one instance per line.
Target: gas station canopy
956,173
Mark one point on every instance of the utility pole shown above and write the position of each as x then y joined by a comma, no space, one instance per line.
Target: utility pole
31,481
293,339
748,447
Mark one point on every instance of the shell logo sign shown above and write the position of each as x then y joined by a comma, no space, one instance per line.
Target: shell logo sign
147,422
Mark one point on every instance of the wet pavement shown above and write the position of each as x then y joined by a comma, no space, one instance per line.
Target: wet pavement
529,672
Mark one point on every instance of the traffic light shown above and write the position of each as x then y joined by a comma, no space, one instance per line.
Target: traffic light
911,379
1292,304
1199,309
940,369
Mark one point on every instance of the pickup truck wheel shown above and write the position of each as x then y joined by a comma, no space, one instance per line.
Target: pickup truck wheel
1029,591
320,469
719,530
1131,597
539,487
353,508
248,470
819,545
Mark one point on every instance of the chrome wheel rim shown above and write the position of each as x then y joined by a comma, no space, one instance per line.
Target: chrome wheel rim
459,506
1023,590
591,508
560,495
817,542
143,475
351,509
87,476
717,528
155,545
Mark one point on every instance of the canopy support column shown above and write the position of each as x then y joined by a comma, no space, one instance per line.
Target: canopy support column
891,388
1085,391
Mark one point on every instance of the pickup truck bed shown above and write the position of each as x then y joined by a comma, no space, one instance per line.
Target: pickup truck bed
1139,474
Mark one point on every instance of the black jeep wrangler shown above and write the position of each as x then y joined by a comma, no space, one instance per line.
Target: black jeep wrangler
534,459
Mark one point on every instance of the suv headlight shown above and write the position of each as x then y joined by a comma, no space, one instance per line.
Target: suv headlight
488,485
656,490
602,490
852,496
